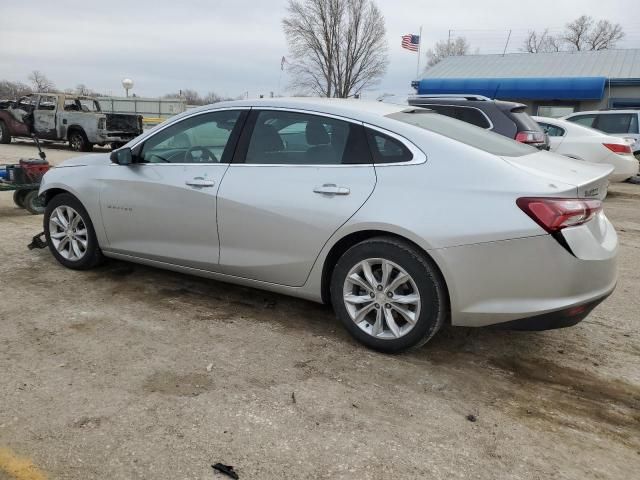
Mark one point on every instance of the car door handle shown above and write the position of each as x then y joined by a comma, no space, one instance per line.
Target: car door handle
332,189
200,182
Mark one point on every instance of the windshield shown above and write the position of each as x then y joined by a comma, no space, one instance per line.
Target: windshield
463,132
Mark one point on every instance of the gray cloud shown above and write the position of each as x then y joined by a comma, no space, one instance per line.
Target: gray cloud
235,46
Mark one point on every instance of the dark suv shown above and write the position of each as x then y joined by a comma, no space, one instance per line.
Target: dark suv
506,118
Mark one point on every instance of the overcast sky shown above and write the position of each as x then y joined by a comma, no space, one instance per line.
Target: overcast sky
235,46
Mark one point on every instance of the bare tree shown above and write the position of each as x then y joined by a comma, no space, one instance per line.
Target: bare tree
40,82
541,42
585,34
604,35
337,47
13,89
447,48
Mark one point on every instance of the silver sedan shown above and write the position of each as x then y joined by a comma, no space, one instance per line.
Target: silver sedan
402,219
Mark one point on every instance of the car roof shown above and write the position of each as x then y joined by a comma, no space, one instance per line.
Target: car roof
349,108
601,112
462,100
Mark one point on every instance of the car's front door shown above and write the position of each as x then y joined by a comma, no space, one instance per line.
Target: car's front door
163,206
295,180
44,117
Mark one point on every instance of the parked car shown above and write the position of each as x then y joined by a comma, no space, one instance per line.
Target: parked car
582,143
620,123
506,118
382,210
66,118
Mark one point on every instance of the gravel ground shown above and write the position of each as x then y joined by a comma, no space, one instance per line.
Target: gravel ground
130,372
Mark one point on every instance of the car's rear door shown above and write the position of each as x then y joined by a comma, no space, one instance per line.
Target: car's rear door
296,178
163,208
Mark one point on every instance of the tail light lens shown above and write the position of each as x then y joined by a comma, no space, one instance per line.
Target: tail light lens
554,214
530,137
618,148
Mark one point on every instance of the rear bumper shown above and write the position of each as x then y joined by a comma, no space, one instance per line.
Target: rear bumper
499,282
567,317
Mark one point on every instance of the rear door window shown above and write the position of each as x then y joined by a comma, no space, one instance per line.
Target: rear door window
614,122
292,138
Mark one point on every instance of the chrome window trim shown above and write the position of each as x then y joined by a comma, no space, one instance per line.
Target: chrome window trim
419,157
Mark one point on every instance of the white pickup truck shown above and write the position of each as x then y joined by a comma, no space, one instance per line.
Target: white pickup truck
66,118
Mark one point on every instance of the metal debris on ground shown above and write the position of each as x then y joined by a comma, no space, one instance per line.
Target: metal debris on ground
226,469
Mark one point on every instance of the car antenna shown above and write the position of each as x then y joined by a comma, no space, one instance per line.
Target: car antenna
41,154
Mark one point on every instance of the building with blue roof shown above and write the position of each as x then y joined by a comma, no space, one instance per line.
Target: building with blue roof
550,84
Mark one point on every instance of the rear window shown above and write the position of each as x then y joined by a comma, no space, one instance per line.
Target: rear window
466,114
466,133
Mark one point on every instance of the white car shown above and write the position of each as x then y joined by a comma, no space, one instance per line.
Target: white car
584,143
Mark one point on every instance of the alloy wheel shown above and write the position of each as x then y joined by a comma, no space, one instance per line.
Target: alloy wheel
68,233
381,298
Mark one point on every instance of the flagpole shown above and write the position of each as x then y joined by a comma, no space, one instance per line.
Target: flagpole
419,53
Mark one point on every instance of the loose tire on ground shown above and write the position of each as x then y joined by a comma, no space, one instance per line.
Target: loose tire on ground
5,135
19,196
424,284
34,203
92,255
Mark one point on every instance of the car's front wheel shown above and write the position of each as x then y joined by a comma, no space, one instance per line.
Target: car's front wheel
70,234
388,294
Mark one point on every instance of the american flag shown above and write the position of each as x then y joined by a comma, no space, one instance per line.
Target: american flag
411,42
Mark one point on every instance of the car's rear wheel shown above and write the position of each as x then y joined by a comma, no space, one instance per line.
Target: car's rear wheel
388,294
70,234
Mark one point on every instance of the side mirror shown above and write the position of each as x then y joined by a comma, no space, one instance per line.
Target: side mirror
122,156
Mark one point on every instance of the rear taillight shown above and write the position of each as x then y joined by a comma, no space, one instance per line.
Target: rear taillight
554,214
530,137
618,148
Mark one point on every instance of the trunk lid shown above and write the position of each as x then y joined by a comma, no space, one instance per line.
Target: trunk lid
590,179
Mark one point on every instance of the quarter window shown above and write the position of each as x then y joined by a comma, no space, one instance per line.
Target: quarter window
387,149
552,130
291,138
200,139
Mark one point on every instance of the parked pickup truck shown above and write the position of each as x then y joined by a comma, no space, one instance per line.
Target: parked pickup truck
66,118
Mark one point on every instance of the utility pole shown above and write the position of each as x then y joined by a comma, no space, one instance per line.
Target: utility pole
506,44
419,52
449,44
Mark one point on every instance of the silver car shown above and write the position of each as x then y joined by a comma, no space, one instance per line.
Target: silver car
401,218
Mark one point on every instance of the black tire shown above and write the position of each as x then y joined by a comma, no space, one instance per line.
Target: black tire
19,196
93,255
425,275
5,135
78,141
34,203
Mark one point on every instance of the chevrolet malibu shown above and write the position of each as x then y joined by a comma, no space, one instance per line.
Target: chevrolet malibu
400,218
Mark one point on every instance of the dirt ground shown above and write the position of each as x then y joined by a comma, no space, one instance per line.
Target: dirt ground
128,372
